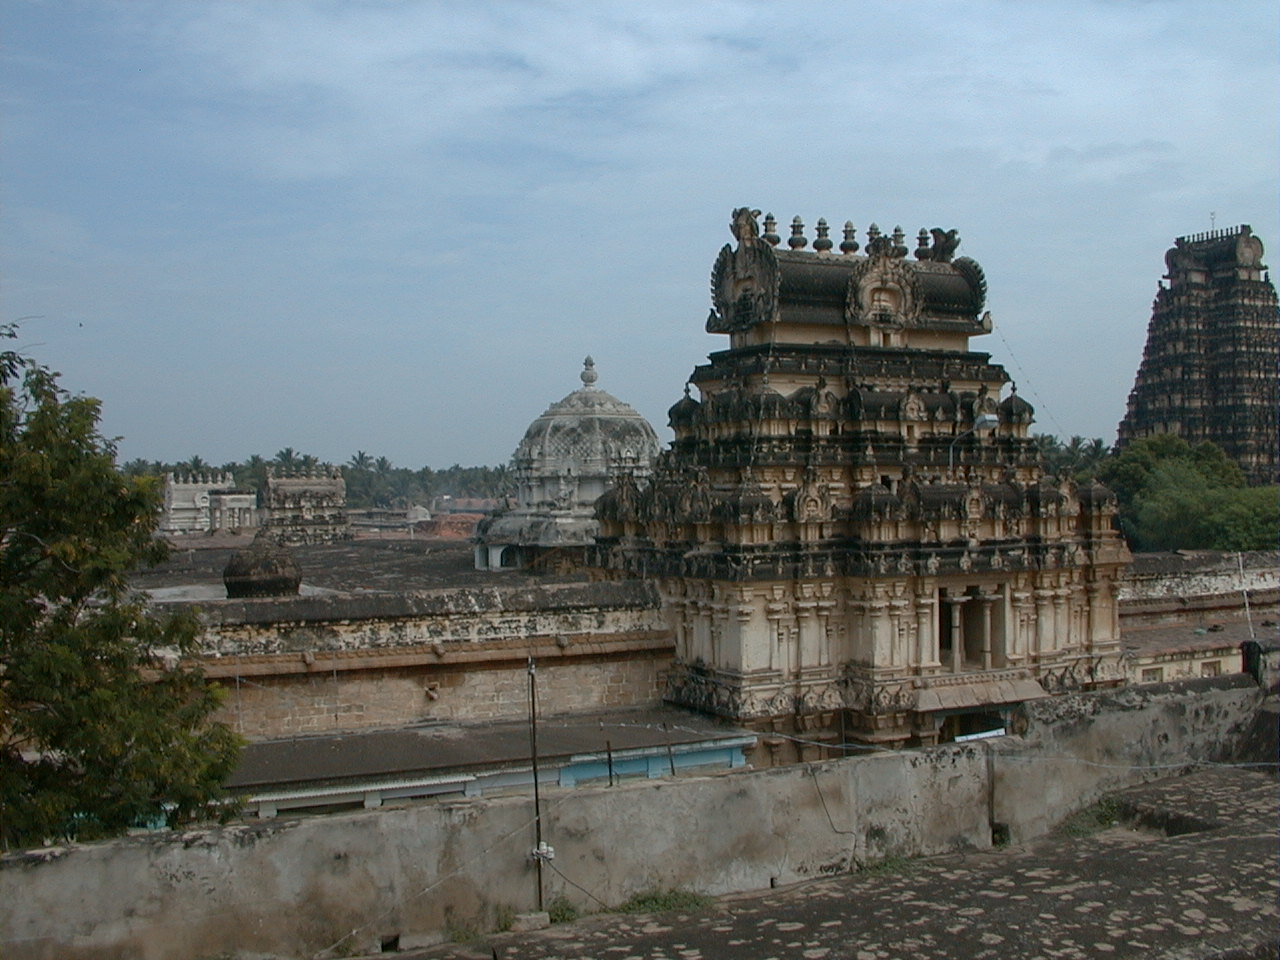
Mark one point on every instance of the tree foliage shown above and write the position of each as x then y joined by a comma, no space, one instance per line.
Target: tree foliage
100,727
1175,495
1078,458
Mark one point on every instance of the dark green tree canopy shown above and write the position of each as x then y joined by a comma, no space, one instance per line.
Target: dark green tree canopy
101,727
1175,495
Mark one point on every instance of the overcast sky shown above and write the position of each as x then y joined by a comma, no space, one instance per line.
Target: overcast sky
399,227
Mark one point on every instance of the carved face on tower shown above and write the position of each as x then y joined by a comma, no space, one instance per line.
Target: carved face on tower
883,290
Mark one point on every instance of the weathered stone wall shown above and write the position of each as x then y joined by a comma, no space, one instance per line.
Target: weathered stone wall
1084,745
1183,664
327,663
320,702
313,624
1195,587
293,888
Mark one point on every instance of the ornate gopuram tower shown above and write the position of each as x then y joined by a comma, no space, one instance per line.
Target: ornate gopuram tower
852,532
1210,367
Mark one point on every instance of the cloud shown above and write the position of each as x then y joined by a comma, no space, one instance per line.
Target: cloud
418,217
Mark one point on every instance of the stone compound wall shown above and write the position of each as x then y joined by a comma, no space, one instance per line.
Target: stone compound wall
318,664
1196,586
319,702
298,888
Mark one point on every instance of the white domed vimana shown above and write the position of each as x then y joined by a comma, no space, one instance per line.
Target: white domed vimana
568,457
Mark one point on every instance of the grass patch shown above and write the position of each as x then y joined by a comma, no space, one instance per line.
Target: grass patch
503,918
459,932
560,910
665,901
1107,812
892,864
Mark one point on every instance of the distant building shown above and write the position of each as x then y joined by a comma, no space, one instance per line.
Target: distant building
307,506
478,506
569,456
852,533
206,503
1210,367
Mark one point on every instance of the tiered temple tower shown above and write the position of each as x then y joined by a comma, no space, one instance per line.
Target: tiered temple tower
852,532
307,506
1211,365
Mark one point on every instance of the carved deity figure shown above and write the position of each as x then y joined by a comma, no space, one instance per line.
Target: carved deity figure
743,225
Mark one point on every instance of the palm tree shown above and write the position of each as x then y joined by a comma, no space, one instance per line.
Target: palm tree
255,472
287,458
382,466
138,468
361,461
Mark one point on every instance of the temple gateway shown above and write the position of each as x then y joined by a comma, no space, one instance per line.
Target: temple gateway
1211,366
851,532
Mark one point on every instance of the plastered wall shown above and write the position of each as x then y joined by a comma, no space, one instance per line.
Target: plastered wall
294,888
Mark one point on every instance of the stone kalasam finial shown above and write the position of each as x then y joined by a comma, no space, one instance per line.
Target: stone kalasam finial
899,250
770,235
588,374
797,239
878,245
922,244
848,245
823,243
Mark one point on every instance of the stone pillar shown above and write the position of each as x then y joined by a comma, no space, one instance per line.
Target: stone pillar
878,621
926,638
956,631
986,600
1045,636
825,607
806,611
1062,618
899,609
774,612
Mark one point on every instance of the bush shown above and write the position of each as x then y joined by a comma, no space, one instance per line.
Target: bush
560,910
1106,813
665,901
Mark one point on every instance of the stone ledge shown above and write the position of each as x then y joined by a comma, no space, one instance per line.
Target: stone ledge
550,598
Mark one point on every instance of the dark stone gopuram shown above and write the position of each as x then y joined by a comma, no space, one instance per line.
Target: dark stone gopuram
1210,367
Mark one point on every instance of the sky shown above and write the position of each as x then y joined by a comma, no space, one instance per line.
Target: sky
399,227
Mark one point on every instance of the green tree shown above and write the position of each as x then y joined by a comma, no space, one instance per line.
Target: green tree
100,725
1129,472
1175,495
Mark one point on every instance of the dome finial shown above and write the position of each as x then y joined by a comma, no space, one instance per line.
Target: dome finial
588,374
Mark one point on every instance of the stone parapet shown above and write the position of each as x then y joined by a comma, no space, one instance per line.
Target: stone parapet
1196,586
336,662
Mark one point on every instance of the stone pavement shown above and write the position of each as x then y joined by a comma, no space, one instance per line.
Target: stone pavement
1189,872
